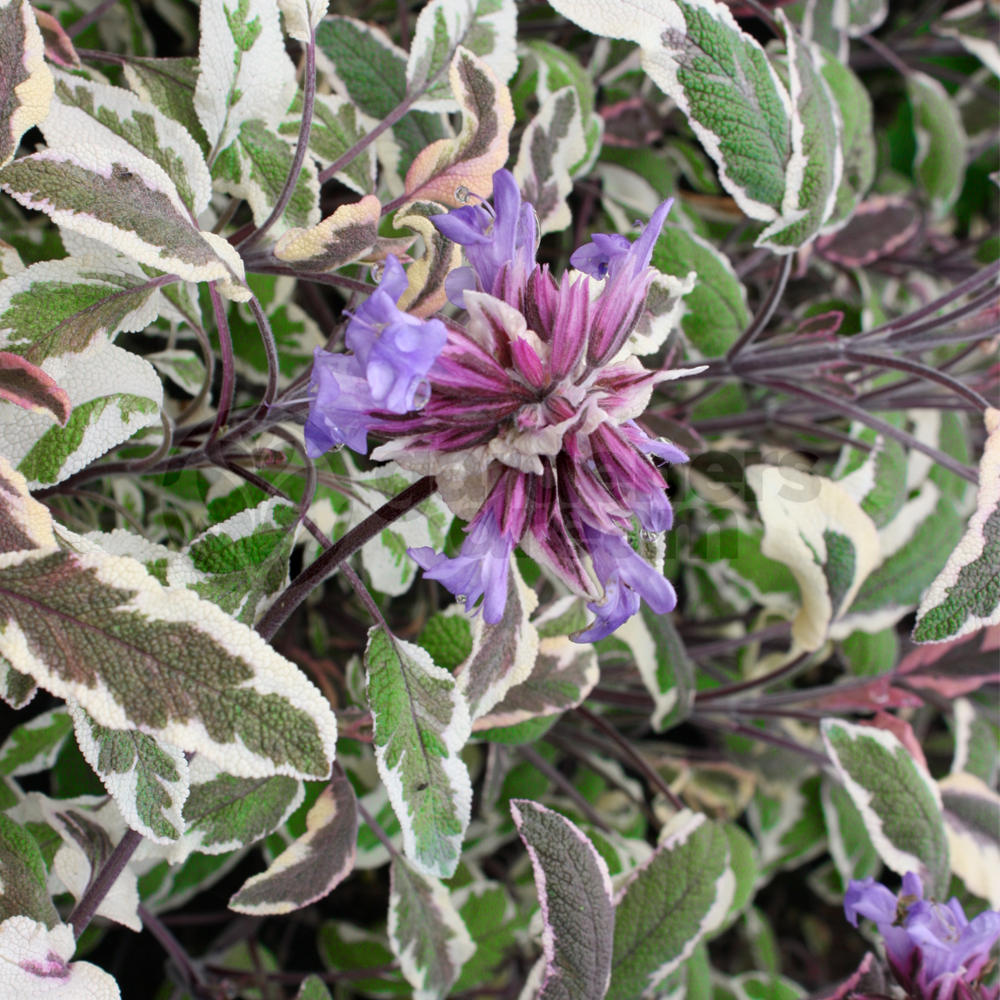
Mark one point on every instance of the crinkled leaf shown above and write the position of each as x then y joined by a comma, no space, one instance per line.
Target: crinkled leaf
426,933
879,226
426,293
420,723
241,564
448,638
341,238
25,81
16,689
113,394
939,165
315,864
503,655
34,745
24,522
576,897
485,27
25,385
898,800
668,904
169,84
24,891
469,160
965,596
850,846
125,200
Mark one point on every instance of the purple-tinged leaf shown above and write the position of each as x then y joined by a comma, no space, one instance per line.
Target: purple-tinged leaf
575,894
867,979
315,864
58,45
878,228
27,386
25,81
24,522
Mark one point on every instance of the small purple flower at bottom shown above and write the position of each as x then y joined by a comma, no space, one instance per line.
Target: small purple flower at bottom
340,401
627,577
479,570
934,951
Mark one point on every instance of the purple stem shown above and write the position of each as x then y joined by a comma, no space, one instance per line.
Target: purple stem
270,349
228,390
308,104
754,682
84,911
188,970
77,27
563,783
376,828
320,279
766,311
753,733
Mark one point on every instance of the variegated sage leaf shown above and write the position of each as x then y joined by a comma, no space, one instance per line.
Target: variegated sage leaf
302,16
34,745
100,629
169,84
503,655
420,723
898,800
965,596
669,903
24,523
25,385
241,564
124,200
576,897
426,293
183,367
939,166
341,238
25,81
876,480
24,892
972,824
315,863
149,780
115,119
426,933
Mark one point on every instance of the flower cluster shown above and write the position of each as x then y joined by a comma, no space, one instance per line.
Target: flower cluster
529,421
934,951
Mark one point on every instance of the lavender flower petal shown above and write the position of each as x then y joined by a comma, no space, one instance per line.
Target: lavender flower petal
340,404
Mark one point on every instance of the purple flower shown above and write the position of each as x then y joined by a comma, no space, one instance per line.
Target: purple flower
626,577
340,401
491,237
607,256
479,570
395,349
934,951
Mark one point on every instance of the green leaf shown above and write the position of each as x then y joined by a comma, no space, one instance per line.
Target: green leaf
34,745
503,655
183,367
149,781
850,845
345,947
420,723
169,84
315,864
898,801
575,894
787,823
972,821
123,648
939,165
426,933
24,891
668,904
16,689
25,79
869,654
242,564
965,596
877,481
489,915
716,309
448,638
313,988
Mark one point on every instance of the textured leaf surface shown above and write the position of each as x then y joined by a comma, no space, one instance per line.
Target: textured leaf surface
25,81
169,84
575,894
148,780
25,385
315,864
479,150
125,200
24,522
341,238
972,824
426,293
851,848
34,745
668,904
966,594
830,545
877,481
502,655
900,804
420,722
113,394
24,892
100,629
241,564
426,933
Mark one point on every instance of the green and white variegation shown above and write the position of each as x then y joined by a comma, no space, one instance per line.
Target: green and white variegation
25,79
34,745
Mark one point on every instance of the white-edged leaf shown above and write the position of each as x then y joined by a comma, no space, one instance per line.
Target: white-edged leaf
939,165
126,201
552,144
576,897
486,27
100,629
828,542
302,16
420,723
787,823
851,847
35,961
241,564
503,655
185,368
315,864
24,522
898,800
965,596
972,823
113,394
148,780
669,903
116,119
25,80
34,745
245,73
341,238
426,933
